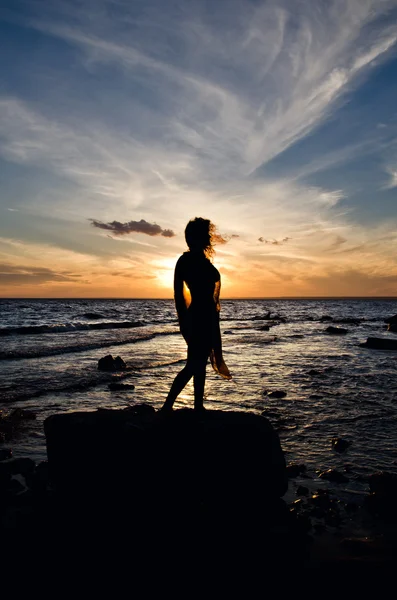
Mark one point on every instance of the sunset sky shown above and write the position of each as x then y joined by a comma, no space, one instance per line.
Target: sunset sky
120,120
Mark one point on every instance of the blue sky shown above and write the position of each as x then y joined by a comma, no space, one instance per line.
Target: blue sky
276,119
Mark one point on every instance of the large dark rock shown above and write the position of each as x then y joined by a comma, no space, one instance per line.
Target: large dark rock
380,343
136,456
108,363
199,493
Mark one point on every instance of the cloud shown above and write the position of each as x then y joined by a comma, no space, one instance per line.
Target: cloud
141,226
339,241
392,183
221,238
190,102
353,282
274,242
22,275
246,91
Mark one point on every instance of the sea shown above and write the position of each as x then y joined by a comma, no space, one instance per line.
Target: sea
333,386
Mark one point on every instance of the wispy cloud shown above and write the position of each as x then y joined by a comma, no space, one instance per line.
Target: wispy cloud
141,226
173,111
273,79
393,179
22,275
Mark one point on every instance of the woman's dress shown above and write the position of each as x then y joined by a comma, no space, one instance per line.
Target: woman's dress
197,285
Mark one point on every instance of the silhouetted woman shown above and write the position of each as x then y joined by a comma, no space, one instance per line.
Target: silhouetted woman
197,285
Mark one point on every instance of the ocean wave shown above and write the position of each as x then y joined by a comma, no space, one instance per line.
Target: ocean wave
80,382
35,352
68,327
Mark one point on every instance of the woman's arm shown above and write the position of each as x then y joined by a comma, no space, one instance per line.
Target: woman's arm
217,292
181,301
180,304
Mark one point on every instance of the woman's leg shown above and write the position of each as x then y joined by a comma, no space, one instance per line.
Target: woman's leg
178,385
194,368
199,383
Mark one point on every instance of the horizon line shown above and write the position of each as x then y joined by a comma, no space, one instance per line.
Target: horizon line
225,298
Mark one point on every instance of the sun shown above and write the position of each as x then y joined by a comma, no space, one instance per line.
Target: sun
164,271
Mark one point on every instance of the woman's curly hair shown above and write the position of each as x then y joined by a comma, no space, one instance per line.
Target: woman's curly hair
200,234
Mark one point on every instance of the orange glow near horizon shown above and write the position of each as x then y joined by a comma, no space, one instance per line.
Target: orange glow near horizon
304,264
84,277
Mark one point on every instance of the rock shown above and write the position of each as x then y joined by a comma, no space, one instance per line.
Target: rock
391,320
294,470
321,500
5,478
108,363
326,318
116,387
351,507
336,330
392,327
333,475
140,409
297,504
270,414
21,414
15,486
264,317
112,458
5,453
340,444
41,477
302,521
277,394
380,343
382,500
21,466
348,321
332,519
383,483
